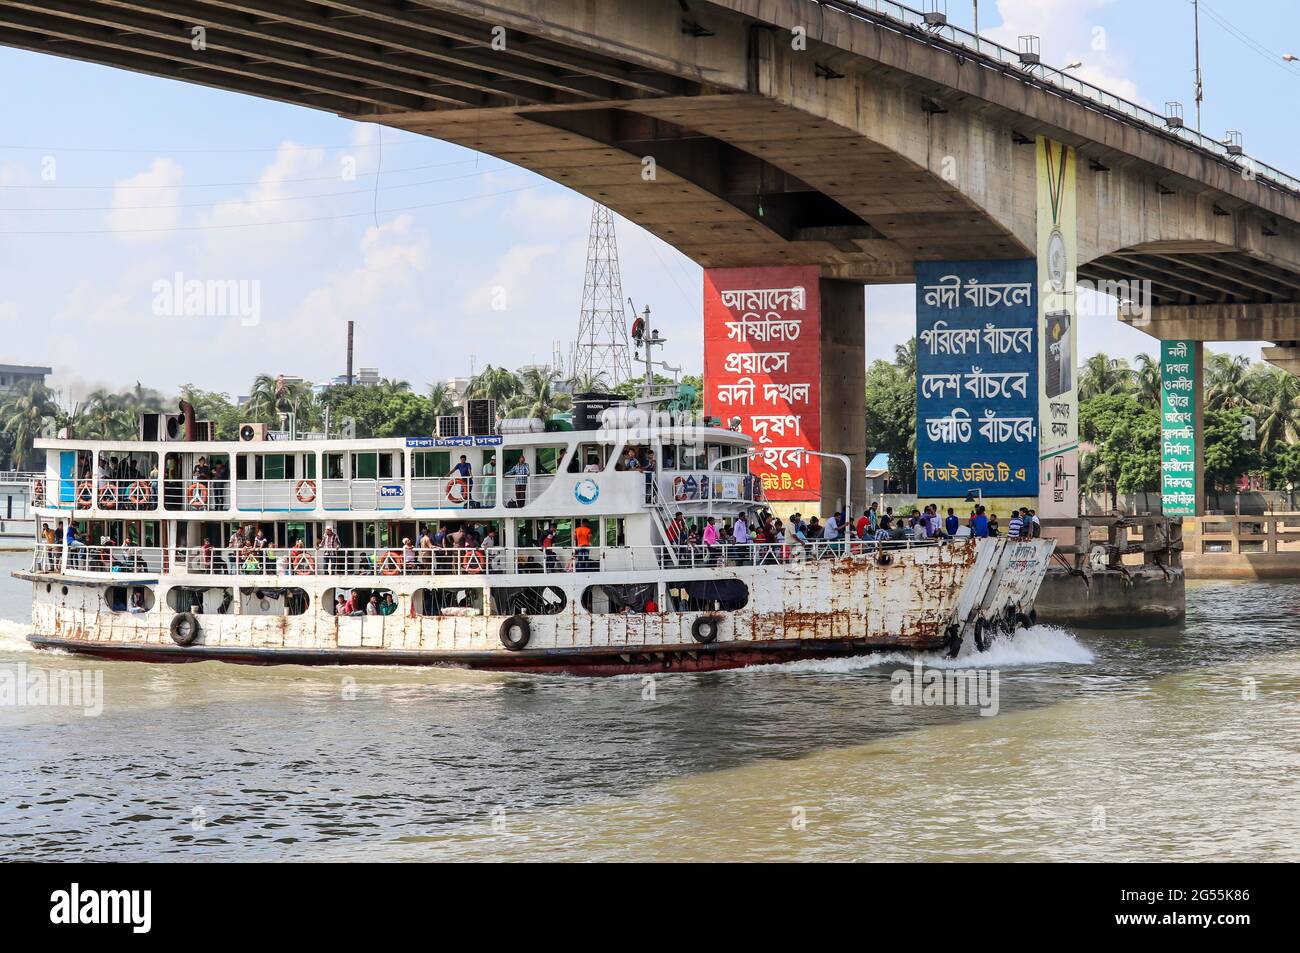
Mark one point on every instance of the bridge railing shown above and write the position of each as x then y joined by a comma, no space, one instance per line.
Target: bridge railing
954,35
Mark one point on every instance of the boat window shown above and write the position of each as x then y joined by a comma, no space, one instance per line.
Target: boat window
274,466
703,595
614,531
427,464
213,600
589,458
527,600
334,466
668,457
354,602
548,459
129,598
691,456
375,466
267,601
453,602
608,598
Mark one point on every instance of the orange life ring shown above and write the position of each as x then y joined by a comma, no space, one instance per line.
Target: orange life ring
464,490
679,488
305,491
108,496
473,561
301,559
197,495
85,494
139,493
391,564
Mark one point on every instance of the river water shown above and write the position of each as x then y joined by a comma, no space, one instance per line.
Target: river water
1175,743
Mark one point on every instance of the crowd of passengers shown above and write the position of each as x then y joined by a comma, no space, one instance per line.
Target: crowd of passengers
123,484
469,547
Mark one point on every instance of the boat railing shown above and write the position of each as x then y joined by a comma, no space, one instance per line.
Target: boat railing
439,561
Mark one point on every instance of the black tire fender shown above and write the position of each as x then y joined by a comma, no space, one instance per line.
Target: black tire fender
983,635
1022,621
185,628
515,632
705,629
952,639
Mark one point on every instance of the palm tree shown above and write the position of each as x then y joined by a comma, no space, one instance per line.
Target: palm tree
1280,413
1095,476
442,400
537,396
1146,378
392,385
585,383
905,357
1226,381
23,416
493,383
1105,375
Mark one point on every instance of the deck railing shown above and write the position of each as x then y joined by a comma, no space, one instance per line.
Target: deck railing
438,561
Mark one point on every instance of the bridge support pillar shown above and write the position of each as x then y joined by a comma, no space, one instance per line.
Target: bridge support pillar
785,362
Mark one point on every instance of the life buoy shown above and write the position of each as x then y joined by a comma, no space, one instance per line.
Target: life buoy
391,564
304,563
679,488
305,491
85,494
196,495
473,561
139,493
185,628
515,632
705,629
462,490
108,496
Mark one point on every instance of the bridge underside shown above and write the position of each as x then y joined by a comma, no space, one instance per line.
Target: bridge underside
875,148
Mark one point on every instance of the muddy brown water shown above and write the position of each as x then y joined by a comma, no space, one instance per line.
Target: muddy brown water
1173,743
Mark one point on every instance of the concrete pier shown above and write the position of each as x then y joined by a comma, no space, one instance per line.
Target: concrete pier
1119,572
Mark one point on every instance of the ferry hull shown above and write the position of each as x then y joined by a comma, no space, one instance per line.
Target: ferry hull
584,662
917,599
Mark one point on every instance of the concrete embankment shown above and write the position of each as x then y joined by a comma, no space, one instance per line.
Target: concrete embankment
1112,598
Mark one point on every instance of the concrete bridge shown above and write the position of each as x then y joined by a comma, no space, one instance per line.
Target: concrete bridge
852,137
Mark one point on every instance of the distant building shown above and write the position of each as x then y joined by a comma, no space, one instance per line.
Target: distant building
15,377
458,386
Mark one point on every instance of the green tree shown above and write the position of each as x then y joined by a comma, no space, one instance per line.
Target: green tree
1226,383
891,413
23,415
1227,456
537,395
1105,375
493,383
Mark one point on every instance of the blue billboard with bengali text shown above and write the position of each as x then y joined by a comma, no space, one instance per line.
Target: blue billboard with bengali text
976,378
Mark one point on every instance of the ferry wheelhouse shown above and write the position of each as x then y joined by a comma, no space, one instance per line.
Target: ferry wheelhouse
542,552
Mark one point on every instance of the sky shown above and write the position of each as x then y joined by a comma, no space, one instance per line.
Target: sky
116,189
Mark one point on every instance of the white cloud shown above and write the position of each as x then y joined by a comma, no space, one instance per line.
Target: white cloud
1069,32
144,205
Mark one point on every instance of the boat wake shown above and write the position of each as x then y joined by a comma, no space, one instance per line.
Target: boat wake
1038,645
13,636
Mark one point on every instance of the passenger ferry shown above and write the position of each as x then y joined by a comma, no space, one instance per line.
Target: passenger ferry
542,554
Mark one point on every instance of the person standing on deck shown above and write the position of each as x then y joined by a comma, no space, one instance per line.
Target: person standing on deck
463,472
520,472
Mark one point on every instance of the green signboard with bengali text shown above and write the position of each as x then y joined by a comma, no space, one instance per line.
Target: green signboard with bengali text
1179,393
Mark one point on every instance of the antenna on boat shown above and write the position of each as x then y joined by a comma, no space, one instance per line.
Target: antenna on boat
646,337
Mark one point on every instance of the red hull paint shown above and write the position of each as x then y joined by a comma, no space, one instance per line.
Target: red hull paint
679,658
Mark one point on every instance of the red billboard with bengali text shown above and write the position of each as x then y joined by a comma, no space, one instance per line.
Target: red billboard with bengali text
762,364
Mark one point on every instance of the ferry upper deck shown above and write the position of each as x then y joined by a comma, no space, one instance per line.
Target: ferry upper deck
528,473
